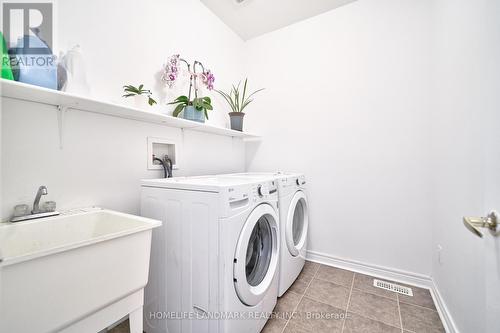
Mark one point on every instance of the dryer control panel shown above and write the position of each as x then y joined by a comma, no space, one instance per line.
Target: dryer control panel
290,183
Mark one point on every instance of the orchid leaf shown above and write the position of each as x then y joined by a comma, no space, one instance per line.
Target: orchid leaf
181,99
178,109
151,101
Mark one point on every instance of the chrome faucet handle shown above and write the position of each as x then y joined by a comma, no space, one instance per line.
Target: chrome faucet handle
36,213
42,190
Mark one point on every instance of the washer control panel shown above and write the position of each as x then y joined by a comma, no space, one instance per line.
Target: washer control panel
260,191
300,181
264,190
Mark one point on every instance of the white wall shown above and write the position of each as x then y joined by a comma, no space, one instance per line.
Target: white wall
127,42
104,157
347,103
465,116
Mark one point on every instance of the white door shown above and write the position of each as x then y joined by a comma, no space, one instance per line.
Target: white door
487,111
256,255
486,228
491,153
466,162
297,224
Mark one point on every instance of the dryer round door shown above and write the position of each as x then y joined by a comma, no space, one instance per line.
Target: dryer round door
256,256
297,223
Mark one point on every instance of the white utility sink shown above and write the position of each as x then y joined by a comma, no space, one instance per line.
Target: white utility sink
79,272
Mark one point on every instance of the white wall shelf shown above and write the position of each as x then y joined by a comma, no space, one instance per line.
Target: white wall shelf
64,101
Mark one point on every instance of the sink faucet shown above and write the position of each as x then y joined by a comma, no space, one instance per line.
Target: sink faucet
36,213
42,190
166,163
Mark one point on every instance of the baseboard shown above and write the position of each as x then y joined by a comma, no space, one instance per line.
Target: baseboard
443,310
419,280
415,279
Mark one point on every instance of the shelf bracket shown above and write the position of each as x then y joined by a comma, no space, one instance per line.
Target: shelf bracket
182,135
61,116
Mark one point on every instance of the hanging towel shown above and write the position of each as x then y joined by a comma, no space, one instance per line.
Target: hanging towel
6,70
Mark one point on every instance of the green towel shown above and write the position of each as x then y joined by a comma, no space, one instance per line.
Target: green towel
6,70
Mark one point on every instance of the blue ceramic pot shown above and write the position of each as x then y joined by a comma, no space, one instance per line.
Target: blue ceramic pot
37,69
190,113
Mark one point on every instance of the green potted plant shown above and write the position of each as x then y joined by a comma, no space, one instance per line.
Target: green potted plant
193,110
238,102
140,95
196,108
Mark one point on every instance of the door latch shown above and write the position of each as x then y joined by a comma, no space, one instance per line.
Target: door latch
474,223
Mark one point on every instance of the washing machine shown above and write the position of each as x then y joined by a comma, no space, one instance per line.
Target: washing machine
294,222
214,261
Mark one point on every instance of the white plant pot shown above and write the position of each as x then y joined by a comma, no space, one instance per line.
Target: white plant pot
140,101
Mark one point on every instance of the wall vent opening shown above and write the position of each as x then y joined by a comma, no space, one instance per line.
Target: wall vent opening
396,288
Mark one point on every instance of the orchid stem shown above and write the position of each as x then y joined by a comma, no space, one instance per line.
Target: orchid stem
190,78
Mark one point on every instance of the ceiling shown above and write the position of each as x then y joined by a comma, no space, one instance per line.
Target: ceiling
252,18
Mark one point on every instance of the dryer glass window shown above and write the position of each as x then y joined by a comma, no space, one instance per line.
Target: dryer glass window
298,221
259,252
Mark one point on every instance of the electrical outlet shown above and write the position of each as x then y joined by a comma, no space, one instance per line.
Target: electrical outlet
439,250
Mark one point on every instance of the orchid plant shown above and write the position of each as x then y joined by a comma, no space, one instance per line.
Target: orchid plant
170,75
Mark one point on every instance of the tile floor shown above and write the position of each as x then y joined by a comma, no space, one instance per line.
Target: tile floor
122,328
328,299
